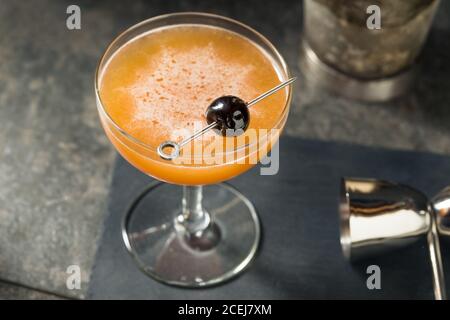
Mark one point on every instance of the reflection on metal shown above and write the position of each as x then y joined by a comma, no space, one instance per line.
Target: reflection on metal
369,90
441,205
378,216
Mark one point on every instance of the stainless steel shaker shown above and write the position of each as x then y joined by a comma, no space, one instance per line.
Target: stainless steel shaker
343,54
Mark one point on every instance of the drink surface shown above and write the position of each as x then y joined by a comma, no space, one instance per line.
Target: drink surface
157,87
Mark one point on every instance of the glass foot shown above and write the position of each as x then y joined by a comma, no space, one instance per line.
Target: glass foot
170,246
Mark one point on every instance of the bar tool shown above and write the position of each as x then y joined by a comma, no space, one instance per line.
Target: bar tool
343,51
441,206
377,216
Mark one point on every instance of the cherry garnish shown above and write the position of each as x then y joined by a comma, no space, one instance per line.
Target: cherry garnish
231,115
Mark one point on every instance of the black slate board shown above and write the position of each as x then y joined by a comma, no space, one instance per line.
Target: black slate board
300,255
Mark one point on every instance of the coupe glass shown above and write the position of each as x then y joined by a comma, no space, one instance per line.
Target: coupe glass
191,232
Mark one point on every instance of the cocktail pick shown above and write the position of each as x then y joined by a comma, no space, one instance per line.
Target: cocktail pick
216,119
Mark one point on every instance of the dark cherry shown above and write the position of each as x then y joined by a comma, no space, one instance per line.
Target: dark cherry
230,113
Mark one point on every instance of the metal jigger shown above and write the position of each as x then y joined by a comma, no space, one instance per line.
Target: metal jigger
378,216
441,206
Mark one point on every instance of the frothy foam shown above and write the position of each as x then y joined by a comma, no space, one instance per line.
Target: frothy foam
176,88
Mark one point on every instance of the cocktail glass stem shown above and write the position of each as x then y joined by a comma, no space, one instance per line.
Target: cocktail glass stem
194,217
211,238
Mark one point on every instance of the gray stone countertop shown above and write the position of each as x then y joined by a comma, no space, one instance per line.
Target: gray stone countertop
55,162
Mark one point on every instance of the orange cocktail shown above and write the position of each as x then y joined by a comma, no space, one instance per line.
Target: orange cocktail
153,84
158,86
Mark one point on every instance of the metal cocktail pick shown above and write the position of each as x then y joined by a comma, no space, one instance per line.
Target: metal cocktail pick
176,147
379,215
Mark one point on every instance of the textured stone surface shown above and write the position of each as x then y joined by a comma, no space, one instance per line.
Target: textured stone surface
10,291
55,162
